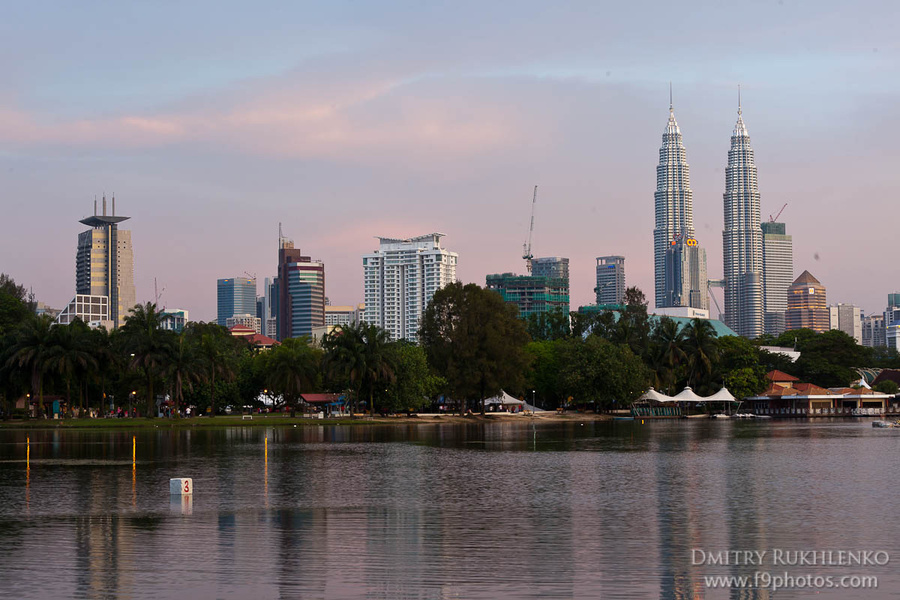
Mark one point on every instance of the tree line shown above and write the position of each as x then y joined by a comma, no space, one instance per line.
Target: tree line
471,345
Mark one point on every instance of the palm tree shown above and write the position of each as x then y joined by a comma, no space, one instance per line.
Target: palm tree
29,352
217,354
184,367
702,349
70,357
149,344
291,369
668,352
359,353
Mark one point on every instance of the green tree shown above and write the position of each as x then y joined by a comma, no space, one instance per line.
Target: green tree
70,357
30,351
633,325
667,354
543,375
413,383
887,387
217,351
183,368
292,369
474,341
14,307
358,354
149,345
702,350
551,325
739,368
598,371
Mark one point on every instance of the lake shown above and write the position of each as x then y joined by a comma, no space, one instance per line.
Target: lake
498,510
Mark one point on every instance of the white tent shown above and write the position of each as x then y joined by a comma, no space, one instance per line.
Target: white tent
654,396
688,395
503,399
722,395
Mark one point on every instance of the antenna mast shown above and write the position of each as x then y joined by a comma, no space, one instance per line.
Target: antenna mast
526,247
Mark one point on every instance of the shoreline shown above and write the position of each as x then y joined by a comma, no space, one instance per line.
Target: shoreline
276,420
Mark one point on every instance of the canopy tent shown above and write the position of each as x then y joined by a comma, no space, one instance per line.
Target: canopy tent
688,395
503,399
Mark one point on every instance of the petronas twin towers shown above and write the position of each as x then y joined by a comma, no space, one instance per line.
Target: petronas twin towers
680,261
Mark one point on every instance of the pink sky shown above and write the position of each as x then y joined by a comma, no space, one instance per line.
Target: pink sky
346,123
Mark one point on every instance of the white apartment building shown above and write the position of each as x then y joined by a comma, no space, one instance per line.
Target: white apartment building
344,315
401,277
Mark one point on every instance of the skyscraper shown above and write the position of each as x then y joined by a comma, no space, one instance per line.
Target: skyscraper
610,280
235,296
104,263
742,237
778,273
807,307
674,205
686,277
847,318
300,292
400,278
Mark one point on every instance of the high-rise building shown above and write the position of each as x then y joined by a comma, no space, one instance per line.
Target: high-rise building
104,263
686,278
610,280
400,278
555,267
674,206
778,273
533,295
235,296
300,294
846,318
807,307
873,334
344,315
742,237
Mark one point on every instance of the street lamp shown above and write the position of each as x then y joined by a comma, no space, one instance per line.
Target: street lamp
533,404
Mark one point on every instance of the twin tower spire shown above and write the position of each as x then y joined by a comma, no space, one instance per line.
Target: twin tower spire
679,259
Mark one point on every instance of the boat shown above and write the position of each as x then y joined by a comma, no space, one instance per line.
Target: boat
884,424
721,416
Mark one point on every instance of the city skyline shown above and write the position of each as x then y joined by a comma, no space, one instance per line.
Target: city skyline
349,124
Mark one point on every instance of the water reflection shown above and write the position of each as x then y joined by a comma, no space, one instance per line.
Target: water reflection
425,511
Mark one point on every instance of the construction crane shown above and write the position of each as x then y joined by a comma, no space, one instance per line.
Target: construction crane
775,218
157,294
526,247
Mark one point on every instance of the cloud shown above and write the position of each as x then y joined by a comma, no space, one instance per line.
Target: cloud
377,118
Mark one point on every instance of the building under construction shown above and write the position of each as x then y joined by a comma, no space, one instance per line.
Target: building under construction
532,294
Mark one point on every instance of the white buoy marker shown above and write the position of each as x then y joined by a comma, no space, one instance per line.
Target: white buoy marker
181,486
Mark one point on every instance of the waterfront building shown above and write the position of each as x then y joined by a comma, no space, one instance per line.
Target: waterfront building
686,278
807,306
235,296
399,279
300,287
742,237
846,318
554,267
246,320
104,263
173,319
92,310
674,209
873,334
531,294
610,280
778,274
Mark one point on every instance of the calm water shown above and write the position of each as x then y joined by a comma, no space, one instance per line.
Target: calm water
613,510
